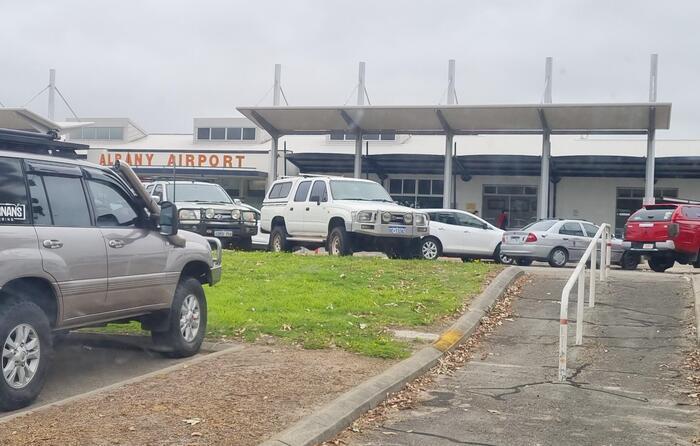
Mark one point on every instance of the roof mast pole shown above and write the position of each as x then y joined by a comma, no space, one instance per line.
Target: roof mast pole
52,93
449,138
357,171
276,94
543,208
651,134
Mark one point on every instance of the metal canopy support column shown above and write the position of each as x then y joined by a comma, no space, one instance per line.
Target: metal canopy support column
357,172
543,207
448,187
651,134
272,172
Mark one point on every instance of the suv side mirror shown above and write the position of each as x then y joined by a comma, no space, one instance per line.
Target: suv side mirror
168,219
156,198
485,226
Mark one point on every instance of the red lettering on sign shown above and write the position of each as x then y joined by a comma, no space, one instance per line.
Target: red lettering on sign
103,161
240,159
179,162
189,160
128,159
228,160
117,156
213,160
138,159
171,160
201,160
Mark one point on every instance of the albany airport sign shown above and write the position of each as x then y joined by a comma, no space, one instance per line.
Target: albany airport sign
168,159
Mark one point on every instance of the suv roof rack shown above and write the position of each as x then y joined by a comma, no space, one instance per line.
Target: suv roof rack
674,200
38,143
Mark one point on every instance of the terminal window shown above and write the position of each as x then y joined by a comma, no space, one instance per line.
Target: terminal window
349,136
417,193
98,133
520,201
226,133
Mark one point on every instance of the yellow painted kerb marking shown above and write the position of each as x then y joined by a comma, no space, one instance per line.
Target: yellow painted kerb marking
448,339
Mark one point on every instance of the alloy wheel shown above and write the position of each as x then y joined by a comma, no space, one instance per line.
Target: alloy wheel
189,318
429,250
20,356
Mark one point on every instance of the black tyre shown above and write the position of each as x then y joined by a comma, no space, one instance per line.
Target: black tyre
25,335
501,258
339,243
523,261
467,259
187,323
558,257
629,260
660,264
429,249
278,240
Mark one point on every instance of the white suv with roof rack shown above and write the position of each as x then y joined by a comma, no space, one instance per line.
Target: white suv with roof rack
344,214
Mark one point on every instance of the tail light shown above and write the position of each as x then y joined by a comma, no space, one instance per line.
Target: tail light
531,238
673,229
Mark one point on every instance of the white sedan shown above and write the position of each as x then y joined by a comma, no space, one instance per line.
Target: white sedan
455,233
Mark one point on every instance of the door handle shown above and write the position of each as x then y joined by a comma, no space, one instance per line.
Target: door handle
52,244
291,209
307,209
565,239
115,243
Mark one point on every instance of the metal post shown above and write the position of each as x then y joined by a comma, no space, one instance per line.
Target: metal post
272,172
451,93
277,89
358,155
563,335
52,93
579,305
608,252
651,134
603,249
591,284
447,180
361,85
284,166
543,208
367,157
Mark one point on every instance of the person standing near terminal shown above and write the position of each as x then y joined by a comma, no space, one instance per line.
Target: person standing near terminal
502,220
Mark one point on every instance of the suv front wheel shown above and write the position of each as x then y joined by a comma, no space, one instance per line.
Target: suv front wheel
188,321
339,242
26,348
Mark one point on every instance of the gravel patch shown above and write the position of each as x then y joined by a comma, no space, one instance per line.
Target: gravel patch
241,398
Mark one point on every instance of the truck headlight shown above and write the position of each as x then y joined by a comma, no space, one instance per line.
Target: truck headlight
188,214
366,217
386,217
209,213
236,214
421,219
408,218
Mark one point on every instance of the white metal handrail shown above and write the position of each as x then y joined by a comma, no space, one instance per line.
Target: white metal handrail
578,275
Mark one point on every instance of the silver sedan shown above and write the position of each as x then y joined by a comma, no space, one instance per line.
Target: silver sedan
558,242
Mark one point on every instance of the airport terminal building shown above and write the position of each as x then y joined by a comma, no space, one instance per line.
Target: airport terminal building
599,178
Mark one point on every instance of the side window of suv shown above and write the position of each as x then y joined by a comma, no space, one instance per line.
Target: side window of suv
571,228
691,212
319,192
302,191
112,209
158,191
468,220
14,206
280,190
58,200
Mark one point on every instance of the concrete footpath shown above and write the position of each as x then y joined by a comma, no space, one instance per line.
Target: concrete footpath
626,385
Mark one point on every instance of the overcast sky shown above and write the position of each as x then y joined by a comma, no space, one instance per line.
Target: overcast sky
164,62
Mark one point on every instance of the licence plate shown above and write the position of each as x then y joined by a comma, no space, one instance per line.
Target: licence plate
646,225
648,246
397,229
223,233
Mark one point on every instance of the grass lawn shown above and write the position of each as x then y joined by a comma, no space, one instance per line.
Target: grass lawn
323,301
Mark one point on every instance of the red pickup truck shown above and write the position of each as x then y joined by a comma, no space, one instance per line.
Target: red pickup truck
665,233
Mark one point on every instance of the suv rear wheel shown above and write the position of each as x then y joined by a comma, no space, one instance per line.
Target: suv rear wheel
188,321
660,264
26,349
278,240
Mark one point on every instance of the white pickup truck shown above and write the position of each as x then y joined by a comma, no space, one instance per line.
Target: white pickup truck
344,214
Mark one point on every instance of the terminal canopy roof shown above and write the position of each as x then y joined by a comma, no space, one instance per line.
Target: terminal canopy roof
635,118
